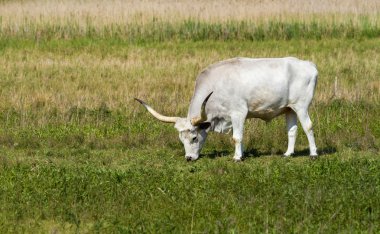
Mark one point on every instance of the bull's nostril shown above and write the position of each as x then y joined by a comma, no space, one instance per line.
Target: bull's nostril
188,158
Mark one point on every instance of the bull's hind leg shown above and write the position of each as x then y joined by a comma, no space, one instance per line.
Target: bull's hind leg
307,126
291,127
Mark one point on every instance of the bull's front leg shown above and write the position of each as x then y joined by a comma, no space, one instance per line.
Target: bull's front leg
291,126
237,136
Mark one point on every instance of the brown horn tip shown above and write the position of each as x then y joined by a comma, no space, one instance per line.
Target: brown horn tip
141,102
208,96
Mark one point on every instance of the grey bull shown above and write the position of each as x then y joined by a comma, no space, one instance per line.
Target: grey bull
228,92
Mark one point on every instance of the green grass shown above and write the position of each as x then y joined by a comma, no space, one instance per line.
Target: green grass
78,154
157,191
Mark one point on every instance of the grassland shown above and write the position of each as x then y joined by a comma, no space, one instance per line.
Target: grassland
78,154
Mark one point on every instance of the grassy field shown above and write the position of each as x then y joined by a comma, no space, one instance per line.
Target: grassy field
78,154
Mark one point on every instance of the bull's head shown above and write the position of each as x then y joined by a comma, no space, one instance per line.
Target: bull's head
192,132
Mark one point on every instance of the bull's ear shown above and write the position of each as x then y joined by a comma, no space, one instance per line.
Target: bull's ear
204,125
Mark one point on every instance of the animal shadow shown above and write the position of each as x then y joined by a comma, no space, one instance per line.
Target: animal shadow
254,153
216,154
328,150
298,153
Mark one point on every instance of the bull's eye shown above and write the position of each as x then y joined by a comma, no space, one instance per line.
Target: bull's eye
194,139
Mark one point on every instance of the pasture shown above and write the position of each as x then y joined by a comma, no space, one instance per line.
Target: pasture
78,154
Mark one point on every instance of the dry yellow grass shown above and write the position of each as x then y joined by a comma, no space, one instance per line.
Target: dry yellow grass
37,79
102,13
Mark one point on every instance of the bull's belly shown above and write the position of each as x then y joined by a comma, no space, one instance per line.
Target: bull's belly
267,114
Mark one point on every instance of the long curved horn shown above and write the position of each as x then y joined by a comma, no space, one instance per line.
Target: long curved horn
203,117
160,117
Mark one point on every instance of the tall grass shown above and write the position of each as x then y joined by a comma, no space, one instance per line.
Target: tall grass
188,20
195,30
118,11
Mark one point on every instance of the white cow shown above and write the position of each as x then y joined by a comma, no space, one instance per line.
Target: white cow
228,92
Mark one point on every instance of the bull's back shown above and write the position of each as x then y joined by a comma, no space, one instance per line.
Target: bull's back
266,87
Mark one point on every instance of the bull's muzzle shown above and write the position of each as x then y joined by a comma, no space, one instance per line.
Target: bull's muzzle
191,158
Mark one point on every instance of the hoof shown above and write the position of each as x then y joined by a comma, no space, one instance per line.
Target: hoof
313,157
286,155
238,160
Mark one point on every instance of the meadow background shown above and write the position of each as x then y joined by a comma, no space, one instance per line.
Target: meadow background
78,154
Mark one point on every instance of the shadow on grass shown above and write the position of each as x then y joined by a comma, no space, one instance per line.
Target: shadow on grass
254,153
321,152
301,153
216,154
